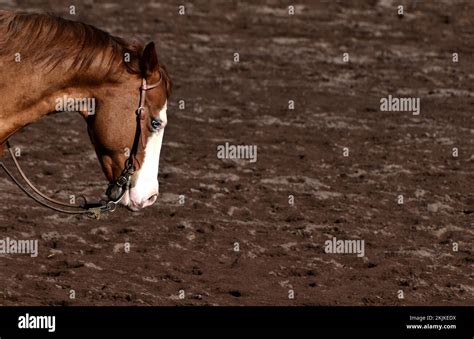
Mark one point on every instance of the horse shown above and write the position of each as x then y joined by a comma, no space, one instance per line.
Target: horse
45,59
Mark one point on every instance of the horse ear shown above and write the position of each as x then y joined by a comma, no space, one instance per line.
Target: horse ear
149,59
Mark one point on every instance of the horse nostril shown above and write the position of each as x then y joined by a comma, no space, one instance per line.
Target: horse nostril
153,198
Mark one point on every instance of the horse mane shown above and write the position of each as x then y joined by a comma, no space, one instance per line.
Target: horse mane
51,40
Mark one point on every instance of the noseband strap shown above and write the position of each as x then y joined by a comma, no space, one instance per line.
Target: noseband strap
121,184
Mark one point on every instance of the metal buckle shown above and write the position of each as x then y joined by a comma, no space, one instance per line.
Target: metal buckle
122,181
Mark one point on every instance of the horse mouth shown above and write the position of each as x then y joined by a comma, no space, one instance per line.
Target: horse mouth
127,202
132,209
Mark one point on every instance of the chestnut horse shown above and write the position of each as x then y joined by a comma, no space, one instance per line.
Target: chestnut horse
44,59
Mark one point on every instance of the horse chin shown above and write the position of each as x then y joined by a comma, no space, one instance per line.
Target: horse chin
133,209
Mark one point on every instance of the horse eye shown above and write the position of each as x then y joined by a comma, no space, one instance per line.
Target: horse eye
156,123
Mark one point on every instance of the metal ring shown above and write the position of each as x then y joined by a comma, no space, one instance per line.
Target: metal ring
111,206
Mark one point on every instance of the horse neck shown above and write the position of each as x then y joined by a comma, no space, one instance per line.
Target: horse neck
28,94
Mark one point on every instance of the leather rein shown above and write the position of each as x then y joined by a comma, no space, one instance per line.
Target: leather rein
120,185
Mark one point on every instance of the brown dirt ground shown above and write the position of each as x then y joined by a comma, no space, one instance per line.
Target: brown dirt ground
190,247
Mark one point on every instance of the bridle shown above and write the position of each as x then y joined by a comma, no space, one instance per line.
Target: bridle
118,188
122,183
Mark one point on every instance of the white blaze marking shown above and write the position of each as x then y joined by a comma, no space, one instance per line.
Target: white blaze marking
145,181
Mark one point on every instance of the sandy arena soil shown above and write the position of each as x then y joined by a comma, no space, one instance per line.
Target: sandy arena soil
190,246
